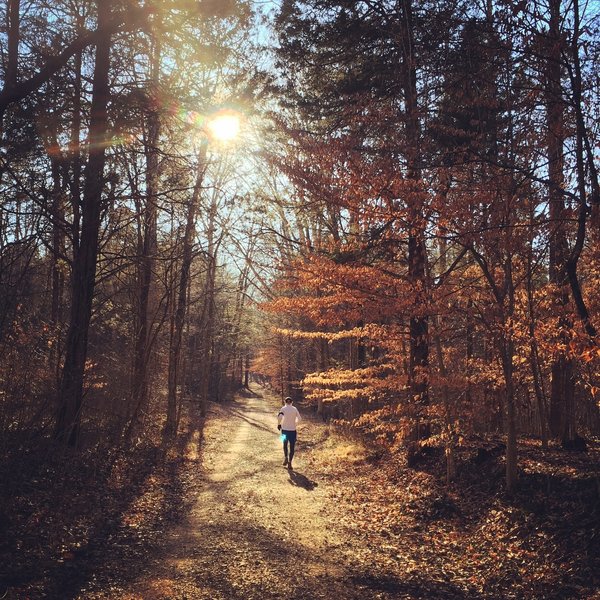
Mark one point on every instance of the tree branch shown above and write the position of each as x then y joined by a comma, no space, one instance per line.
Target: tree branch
14,93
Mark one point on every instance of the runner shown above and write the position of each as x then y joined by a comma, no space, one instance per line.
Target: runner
287,419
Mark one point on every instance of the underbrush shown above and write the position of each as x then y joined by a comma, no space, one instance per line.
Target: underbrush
470,539
67,517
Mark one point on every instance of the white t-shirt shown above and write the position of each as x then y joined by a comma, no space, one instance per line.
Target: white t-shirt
288,417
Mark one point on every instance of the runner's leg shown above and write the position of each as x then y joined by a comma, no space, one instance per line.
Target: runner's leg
291,435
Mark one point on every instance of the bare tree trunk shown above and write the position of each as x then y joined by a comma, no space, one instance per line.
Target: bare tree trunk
75,149
183,371
581,144
507,352
143,341
84,266
451,437
13,34
181,306
208,312
562,386
71,168
568,428
538,384
451,433
417,253
239,351
247,371
58,277
505,299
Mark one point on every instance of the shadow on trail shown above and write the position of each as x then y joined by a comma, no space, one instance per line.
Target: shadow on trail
416,588
113,548
248,393
239,409
253,422
302,481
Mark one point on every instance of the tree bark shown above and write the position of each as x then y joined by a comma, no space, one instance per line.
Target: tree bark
13,35
504,296
580,145
58,278
181,307
417,253
534,361
507,352
208,312
84,265
147,260
562,384
131,18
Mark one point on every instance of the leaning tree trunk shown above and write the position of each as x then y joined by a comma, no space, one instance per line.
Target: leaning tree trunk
581,150
84,264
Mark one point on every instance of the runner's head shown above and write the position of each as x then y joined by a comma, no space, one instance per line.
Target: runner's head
288,400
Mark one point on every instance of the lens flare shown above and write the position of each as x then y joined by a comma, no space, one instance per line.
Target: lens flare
221,126
224,126
282,437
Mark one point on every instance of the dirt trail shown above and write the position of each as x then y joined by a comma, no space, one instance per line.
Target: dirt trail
222,519
257,530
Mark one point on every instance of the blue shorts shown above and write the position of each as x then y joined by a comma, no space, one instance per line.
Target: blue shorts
290,436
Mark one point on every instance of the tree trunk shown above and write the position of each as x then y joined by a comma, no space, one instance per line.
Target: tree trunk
417,253
581,142
507,352
74,152
14,23
538,384
562,385
208,312
247,371
505,299
58,278
568,429
183,370
451,434
238,352
84,265
13,34
181,306
143,341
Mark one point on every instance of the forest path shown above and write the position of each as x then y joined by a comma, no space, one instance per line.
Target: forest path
257,530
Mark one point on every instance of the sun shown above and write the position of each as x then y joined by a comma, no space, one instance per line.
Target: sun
224,126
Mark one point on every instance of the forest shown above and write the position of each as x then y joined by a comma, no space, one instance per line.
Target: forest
387,210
